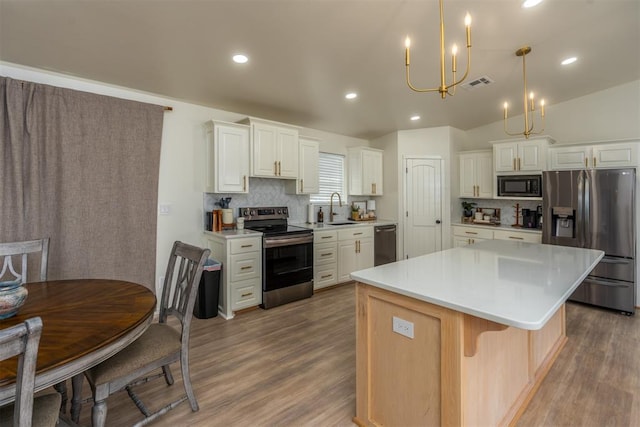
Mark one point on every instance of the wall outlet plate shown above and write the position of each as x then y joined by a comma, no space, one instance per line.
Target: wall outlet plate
403,327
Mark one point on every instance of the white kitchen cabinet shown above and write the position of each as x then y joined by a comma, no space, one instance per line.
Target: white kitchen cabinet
476,174
227,158
524,156
274,149
241,278
597,156
308,158
365,171
325,258
467,235
355,251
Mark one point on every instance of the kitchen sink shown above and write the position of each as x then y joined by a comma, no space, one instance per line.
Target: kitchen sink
341,223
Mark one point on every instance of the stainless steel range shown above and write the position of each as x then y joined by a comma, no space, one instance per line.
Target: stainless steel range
287,255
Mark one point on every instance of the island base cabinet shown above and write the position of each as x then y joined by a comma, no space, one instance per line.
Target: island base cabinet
456,370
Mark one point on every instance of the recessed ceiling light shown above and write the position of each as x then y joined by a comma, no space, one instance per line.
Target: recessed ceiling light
240,58
414,118
530,3
569,60
351,95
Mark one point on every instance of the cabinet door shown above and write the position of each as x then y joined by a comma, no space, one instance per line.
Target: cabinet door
484,175
287,153
615,155
264,150
505,156
531,156
468,175
365,255
569,157
347,261
517,236
371,173
231,160
459,242
308,167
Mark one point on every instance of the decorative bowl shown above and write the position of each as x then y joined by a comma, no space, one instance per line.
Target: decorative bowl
12,296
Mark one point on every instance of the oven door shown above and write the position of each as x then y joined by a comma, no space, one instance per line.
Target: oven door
288,261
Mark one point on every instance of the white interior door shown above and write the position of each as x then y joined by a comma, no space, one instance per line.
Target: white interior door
423,206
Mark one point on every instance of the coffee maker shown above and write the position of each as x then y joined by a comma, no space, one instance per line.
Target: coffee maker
529,218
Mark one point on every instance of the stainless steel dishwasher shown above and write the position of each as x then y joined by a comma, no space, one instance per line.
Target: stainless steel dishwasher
384,244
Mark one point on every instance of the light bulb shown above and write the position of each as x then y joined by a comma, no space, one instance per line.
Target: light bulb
454,50
407,42
467,20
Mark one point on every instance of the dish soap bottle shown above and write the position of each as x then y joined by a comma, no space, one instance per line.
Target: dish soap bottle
320,216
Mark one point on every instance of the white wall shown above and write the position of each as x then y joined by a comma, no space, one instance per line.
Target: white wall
611,114
181,180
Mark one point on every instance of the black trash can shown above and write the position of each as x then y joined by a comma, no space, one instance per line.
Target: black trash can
206,305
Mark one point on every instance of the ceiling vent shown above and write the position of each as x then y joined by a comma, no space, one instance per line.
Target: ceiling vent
480,81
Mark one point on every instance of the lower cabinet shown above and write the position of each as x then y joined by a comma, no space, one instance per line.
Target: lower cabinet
325,258
355,251
241,278
467,235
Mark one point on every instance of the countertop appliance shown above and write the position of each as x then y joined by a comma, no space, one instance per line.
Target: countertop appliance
384,243
595,209
287,255
519,186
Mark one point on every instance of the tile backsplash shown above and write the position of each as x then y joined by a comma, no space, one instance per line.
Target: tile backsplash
265,192
507,207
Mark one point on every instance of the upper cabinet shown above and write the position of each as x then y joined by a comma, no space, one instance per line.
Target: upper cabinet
274,149
523,156
227,158
599,156
476,174
308,158
365,171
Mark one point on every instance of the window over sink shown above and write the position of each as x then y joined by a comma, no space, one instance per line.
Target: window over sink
331,177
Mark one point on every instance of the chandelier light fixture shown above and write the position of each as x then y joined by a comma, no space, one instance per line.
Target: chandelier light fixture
529,103
444,88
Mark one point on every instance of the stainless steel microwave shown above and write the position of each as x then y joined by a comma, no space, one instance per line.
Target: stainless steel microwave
519,185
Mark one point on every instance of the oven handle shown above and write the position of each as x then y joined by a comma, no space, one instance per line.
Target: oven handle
275,242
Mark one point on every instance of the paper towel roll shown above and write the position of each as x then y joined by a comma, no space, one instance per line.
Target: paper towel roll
311,215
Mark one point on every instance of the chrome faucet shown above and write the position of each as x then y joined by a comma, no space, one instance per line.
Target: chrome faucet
331,214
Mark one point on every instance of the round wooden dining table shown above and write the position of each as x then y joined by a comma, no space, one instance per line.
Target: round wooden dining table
85,321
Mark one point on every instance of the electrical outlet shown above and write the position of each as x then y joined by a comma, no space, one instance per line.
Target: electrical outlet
165,209
403,327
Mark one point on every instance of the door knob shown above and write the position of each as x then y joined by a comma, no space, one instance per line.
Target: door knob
437,221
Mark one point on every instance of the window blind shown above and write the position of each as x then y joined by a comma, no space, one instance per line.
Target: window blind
331,176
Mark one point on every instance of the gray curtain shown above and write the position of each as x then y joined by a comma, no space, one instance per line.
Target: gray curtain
81,169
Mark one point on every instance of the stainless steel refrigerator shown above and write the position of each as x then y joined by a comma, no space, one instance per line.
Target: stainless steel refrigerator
595,209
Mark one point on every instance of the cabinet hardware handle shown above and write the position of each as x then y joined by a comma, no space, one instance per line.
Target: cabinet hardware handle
594,161
326,254
244,183
248,267
358,246
516,238
246,246
301,185
470,232
275,167
326,237
246,295
586,162
518,163
326,276
279,168
357,234
514,163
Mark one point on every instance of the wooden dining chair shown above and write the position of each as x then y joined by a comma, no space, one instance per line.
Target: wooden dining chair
10,250
22,340
159,346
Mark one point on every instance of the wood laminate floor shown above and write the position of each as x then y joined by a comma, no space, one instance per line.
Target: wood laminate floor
294,365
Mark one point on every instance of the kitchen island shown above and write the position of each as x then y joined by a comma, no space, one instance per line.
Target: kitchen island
463,336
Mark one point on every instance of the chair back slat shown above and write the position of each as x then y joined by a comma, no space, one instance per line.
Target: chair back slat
23,249
22,340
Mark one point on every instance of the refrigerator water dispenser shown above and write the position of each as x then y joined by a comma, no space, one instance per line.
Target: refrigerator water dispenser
563,222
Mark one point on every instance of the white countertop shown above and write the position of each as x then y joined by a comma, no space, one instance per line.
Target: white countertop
233,233
513,283
328,226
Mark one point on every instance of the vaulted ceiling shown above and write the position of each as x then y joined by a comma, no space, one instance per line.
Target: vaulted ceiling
304,55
